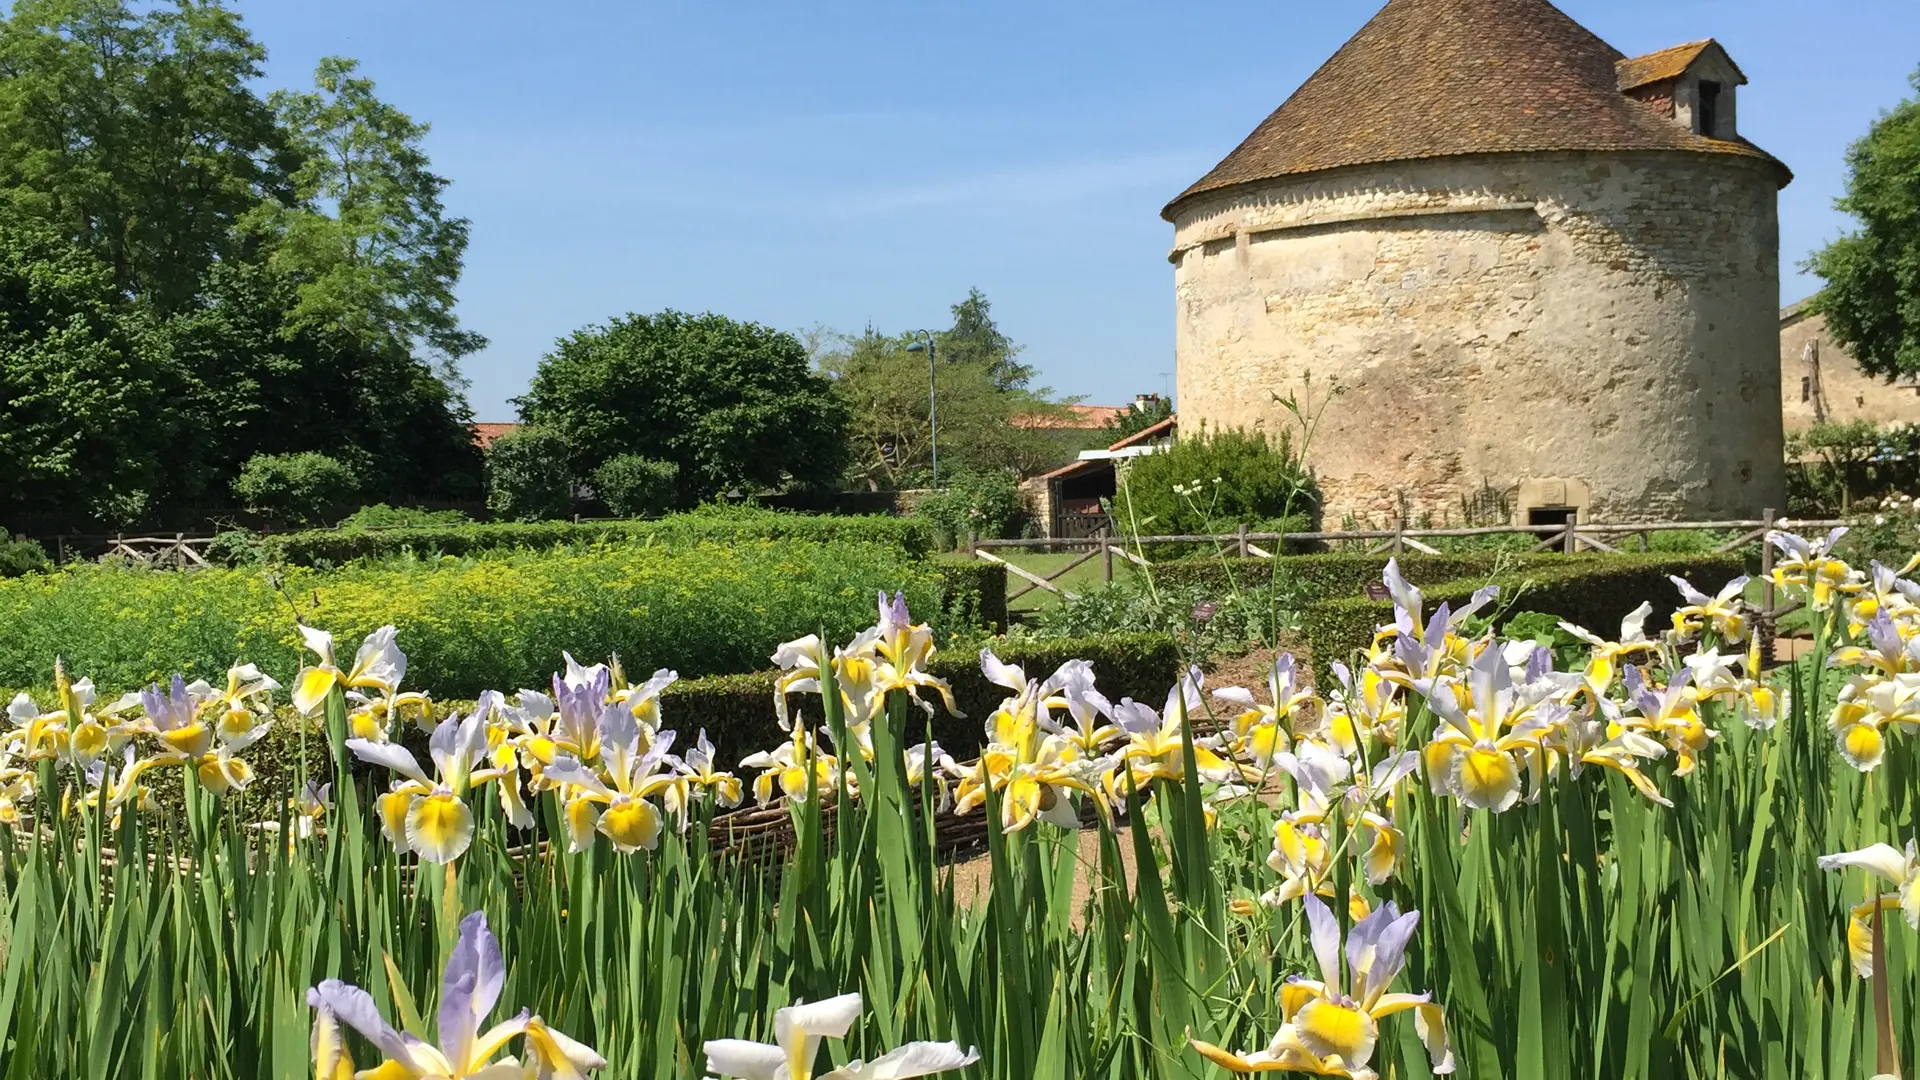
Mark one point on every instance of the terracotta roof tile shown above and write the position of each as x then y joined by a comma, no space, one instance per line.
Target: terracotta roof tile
486,434
1077,417
1438,78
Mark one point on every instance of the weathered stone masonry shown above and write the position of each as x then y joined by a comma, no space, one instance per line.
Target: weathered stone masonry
1528,261
1603,318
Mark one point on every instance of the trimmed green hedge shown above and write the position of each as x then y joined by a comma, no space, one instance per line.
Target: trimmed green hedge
737,711
340,546
973,592
1591,591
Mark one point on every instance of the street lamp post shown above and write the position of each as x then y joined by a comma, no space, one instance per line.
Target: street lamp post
933,404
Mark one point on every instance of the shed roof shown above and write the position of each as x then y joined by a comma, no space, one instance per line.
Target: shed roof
1439,78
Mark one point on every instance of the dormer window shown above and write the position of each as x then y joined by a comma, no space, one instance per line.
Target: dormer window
1691,85
1707,117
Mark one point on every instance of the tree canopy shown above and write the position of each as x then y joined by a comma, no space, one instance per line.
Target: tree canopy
192,274
730,404
1872,295
986,411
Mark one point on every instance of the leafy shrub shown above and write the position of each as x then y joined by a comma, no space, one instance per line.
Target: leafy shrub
632,486
295,488
1212,482
382,516
528,476
987,502
467,624
336,547
1832,466
235,547
1884,530
1204,621
21,556
1592,592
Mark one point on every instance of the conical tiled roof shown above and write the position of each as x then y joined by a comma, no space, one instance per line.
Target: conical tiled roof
1437,78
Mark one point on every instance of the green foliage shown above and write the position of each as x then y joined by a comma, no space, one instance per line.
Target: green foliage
382,516
975,340
635,486
1139,418
186,281
366,237
86,391
729,525
980,389
1329,576
468,625
1885,530
1212,482
1205,621
730,404
137,133
973,592
21,556
987,503
530,475
1591,591
298,489
1831,466
236,547
1872,296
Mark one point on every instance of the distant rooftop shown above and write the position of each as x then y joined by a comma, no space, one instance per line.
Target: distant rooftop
487,434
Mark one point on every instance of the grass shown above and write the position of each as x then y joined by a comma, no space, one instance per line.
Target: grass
1082,579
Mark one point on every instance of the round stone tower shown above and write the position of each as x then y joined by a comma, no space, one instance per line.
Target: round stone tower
1528,263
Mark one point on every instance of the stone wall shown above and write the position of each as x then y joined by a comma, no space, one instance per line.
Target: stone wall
1606,320
1828,385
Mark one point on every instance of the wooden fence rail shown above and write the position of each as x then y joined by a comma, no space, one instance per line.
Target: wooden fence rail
1571,537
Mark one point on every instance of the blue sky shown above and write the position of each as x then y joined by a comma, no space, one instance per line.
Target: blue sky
846,162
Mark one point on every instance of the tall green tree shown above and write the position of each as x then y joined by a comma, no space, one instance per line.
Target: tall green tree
137,134
1872,295
367,239
976,340
729,403
87,387
983,426
288,264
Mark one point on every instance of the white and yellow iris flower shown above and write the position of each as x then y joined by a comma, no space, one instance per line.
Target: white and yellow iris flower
469,990
1331,1032
378,665
617,801
430,816
1887,862
798,1030
1809,569
1489,733
1867,710
1723,613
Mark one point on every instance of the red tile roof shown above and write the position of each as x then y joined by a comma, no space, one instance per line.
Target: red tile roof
486,434
1439,78
1078,417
